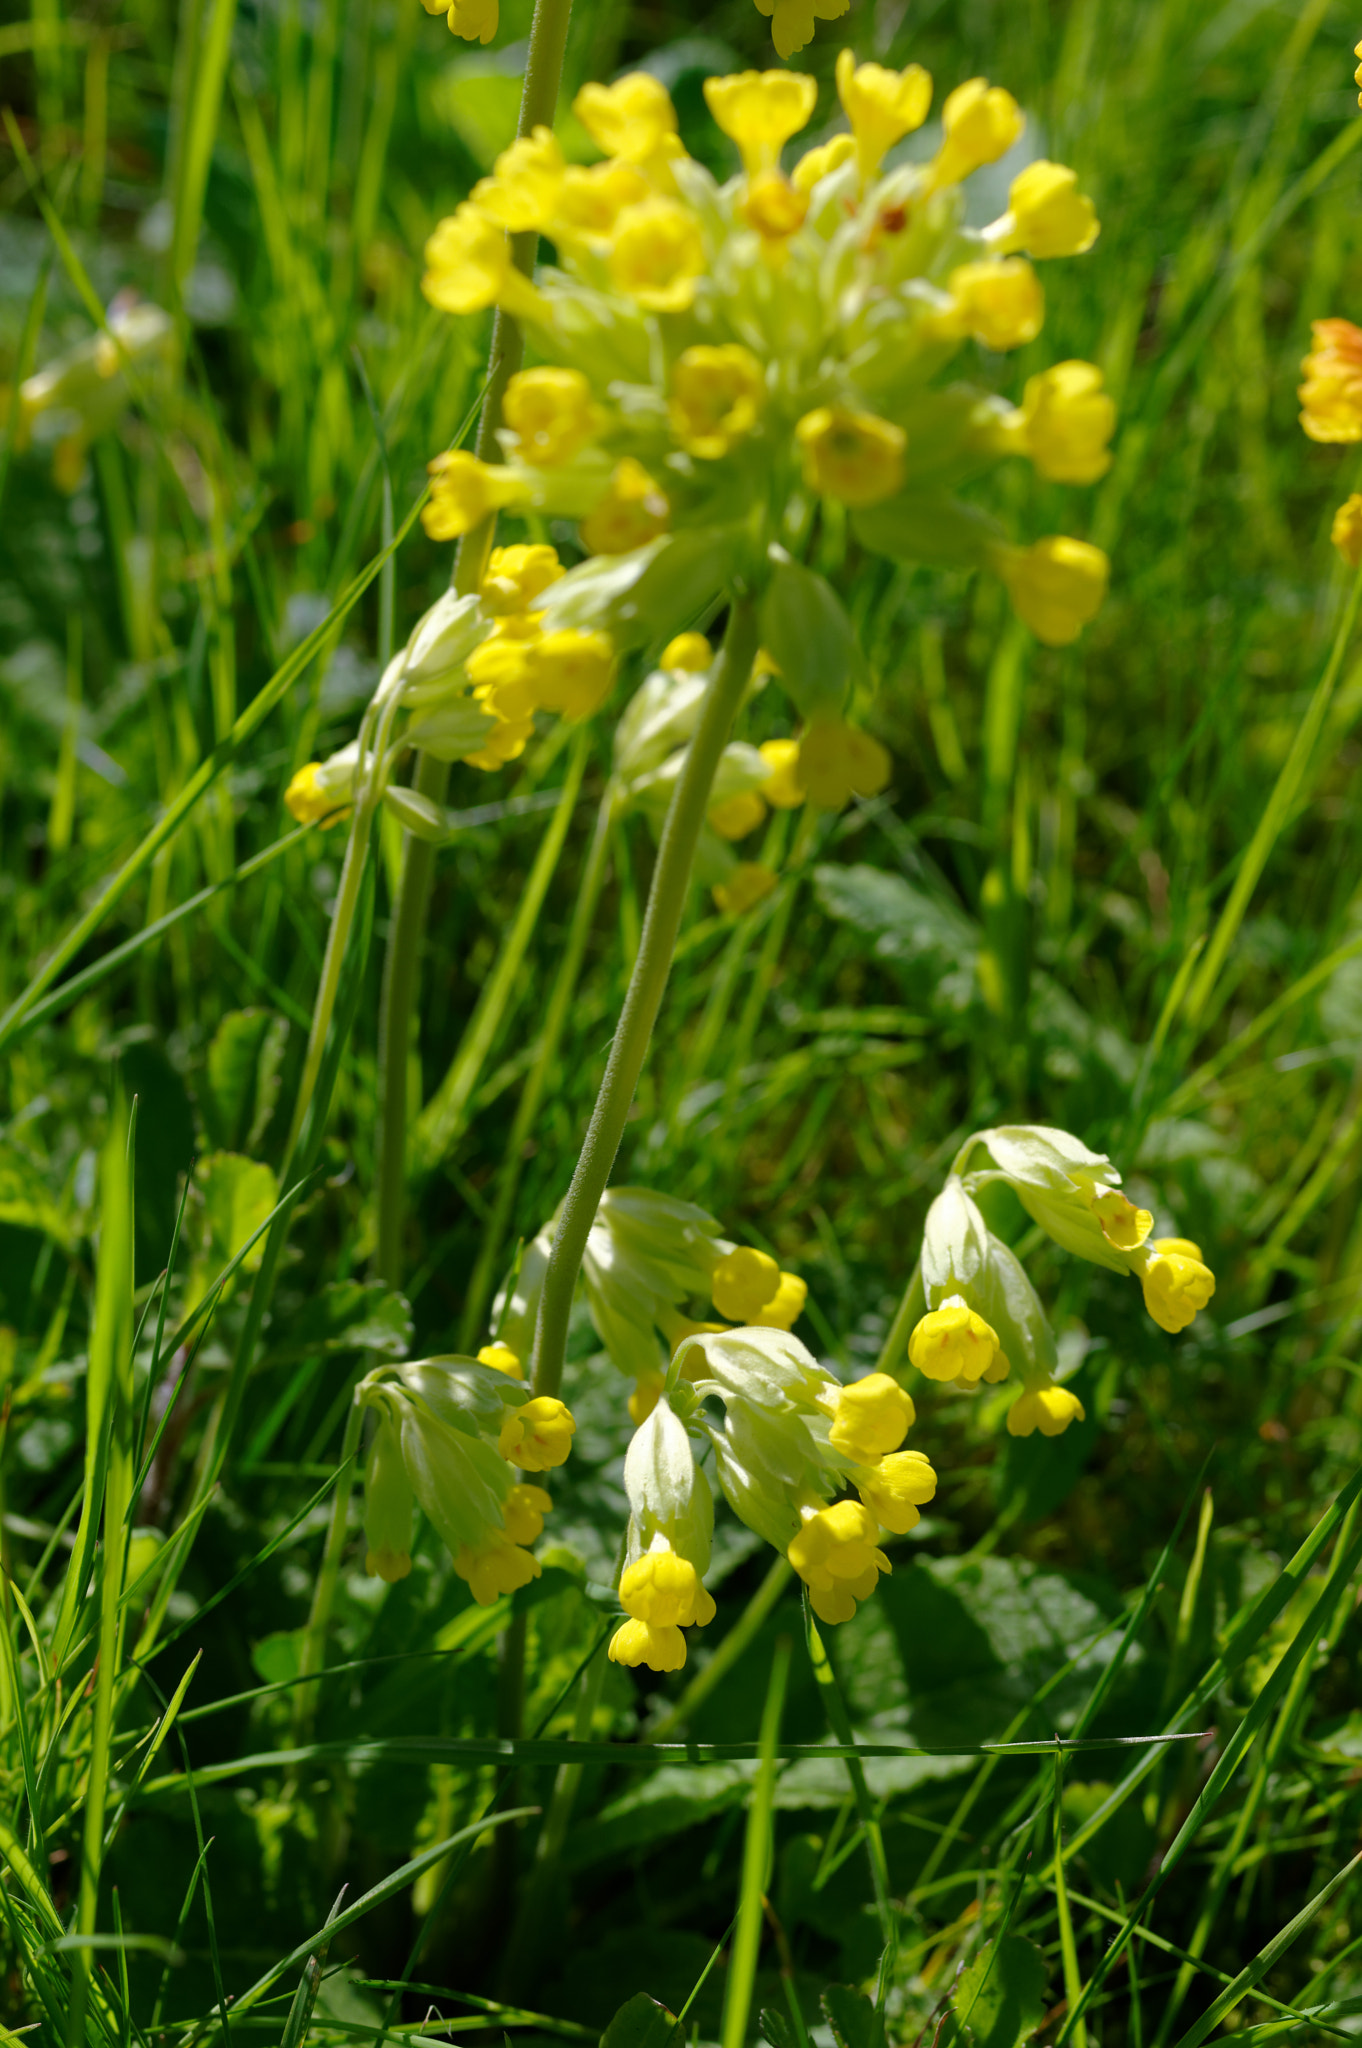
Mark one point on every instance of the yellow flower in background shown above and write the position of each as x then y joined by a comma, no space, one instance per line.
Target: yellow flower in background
737,815
632,511
573,671
1331,396
749,884
1049,215
981,122
474,20
524,1512
716,395
1069,419
823,161
469,267
1122,1223
837,1555
689,652
309,801
1176,1282
748,1287
775,208
1056,586
872,1417
792,20
638,1642
783,789
837,762
657,254
538,1435
953,1342
998,300
856,457
760,111
1346,531
523,191
591,199
1049,1409
633,118
551,413
464,490
506,742
502,1359
666,1590
1357,75
516,576
896,1487
882,106
645,1397
495,1567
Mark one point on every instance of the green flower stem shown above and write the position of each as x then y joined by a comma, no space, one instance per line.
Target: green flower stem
910,1310
661,923
743,1632
313,1652
532,1095
835,1707
411,904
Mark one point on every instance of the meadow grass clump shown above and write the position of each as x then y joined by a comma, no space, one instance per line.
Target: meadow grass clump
679,1258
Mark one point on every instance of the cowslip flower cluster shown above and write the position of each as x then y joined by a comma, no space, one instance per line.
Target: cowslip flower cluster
829,763
455,1436
466,687
1331,410
982,1315
723,363
650,1261
787,1438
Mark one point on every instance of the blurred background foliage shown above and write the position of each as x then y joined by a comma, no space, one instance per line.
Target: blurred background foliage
1000,937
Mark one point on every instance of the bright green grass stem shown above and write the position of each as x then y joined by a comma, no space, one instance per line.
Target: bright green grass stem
402,962
629,1049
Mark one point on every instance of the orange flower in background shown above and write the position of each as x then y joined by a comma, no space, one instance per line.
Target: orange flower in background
1331,396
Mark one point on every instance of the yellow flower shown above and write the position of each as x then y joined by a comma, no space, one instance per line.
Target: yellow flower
998,300
691,653
632,511
309,801
538,1435
854,456
717,393
1049,215
474,20
981,122
737,815
1331,396
633,118
1056,585
551,413
775,209
748,1287
782,790
464,490
504,743
666,1591
1122,1223
837,762
760,111
1357,75
895,1488
1069,421
524,1512
882,106
749,884
503,675
495,1567
1176,1282
657,254
391,1565
1049,1409
501,1358
573,671
953,1342
647,1392
516,576
522,192
638,1642
822,161
873,1417
792,20
469,267
836,1554
1346,531
591,200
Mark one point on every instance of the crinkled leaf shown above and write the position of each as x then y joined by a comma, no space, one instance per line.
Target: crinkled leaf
1001,1994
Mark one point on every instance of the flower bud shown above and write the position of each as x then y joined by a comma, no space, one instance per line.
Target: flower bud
1047,1408
895,1488
1176,1282
1057,586
953,1342
981,123
539,1435
324,789
871,1418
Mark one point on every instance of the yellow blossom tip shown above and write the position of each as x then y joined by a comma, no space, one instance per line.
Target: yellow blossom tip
691,653
639,1642
1049,1409
953,1342
1176,1282
502,1359
538,1435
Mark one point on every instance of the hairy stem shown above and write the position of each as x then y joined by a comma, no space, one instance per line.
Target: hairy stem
662,921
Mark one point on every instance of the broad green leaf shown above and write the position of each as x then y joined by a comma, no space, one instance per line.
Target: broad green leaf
347,1316
642,2022
851,2015
238,1060
235,1196
1001,1994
